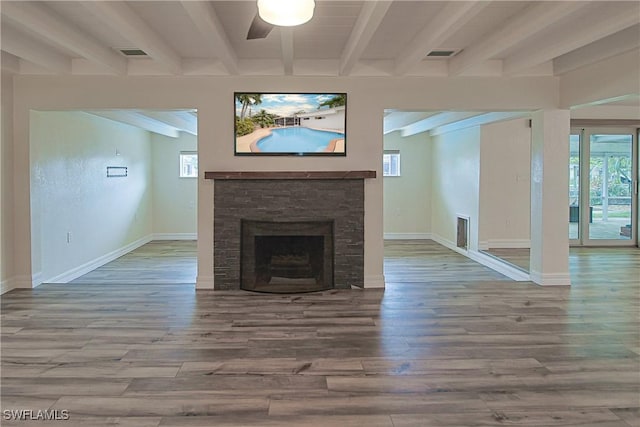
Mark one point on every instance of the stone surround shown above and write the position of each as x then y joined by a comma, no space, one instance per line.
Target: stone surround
289,199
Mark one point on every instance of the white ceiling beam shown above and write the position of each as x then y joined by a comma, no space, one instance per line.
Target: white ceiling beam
609,101
396,120
616,44
286,41
55,30
452,17
122,18
138,120
182,120
23,47
368,21
434,121
10,63
206,20
479,120
534,19
608,23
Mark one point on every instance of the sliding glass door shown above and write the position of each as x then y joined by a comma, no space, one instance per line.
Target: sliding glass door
602,187
574,187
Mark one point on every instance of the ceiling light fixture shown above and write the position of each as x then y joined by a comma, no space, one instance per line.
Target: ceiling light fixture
286,13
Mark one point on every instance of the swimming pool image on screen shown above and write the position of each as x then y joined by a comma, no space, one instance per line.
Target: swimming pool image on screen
297,139
295,124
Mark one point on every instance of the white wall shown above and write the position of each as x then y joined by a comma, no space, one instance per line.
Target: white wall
481,172
71,193
505,185
456,184
6,184
174,198
407,198
213,98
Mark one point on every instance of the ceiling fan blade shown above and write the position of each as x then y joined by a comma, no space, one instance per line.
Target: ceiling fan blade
259,29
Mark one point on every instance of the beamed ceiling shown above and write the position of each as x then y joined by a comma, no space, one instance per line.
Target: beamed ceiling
344,38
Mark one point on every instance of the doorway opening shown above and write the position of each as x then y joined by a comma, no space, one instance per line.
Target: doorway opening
121,227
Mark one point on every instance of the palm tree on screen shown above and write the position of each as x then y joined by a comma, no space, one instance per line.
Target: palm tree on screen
336,101
264,119
247,99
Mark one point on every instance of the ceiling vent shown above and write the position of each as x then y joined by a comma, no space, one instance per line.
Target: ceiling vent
133,52
442,53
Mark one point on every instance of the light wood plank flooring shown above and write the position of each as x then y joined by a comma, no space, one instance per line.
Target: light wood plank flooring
583,261
157,262
447,343
517,257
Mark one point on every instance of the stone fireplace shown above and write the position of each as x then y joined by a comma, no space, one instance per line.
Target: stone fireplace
288,231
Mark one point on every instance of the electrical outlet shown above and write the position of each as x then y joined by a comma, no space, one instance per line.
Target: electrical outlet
68,237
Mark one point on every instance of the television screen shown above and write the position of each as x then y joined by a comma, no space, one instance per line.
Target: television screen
298,124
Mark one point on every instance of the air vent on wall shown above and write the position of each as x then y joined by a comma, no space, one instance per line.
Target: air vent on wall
133,52
462,232
441,53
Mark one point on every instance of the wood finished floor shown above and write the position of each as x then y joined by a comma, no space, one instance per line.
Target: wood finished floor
157,262
447,343
518,257
609,258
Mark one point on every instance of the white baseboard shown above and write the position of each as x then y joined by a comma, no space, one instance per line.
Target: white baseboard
483,245
36,279
25,281
507,243
204,282
551,279
448,244
8,284
17,282
407,236
374,281
83,269
499,266
494,264
175,236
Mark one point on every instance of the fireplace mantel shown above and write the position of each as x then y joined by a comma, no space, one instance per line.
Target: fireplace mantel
364,174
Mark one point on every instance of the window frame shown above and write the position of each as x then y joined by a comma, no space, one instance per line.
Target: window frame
391,154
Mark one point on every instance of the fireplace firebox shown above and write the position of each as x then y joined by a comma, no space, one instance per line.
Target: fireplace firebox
286,257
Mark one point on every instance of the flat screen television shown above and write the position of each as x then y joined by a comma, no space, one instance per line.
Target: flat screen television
290,124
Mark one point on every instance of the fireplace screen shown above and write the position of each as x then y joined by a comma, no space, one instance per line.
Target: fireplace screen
287,257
